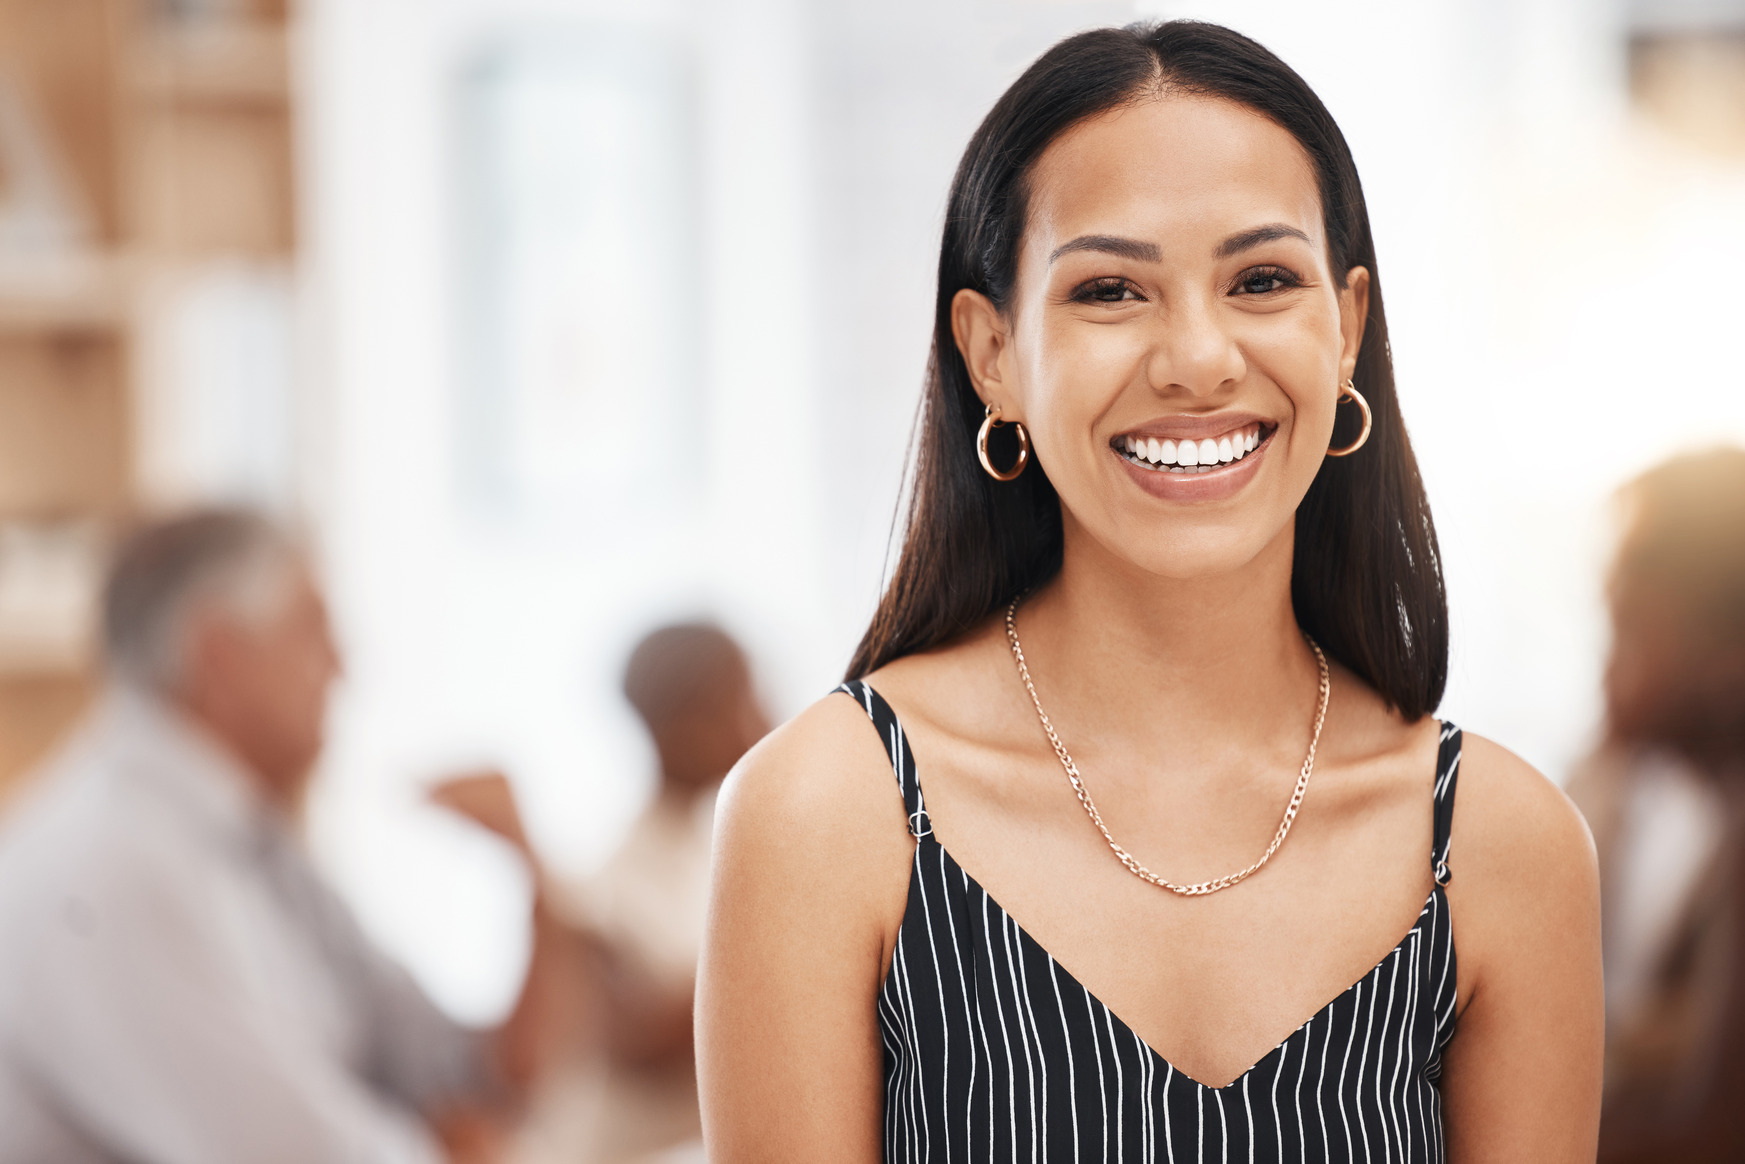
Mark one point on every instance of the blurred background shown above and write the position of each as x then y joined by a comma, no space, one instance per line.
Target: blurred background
550,320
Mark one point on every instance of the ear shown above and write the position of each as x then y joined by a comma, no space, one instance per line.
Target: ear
1353,315
981,335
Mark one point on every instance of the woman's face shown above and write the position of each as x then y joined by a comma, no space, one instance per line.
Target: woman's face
1175,341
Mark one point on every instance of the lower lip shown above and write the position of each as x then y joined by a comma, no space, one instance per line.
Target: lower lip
1216,485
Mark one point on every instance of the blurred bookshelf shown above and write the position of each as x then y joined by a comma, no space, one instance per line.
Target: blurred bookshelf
139,139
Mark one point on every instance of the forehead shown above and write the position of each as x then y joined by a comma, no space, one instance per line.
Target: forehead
1170,169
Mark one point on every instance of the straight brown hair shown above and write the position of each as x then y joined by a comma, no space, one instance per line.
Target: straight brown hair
1367,577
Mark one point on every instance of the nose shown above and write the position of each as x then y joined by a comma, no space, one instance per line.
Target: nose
1193,351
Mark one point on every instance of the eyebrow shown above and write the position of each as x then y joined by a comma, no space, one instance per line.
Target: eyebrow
1145,252
1109,244
1271,232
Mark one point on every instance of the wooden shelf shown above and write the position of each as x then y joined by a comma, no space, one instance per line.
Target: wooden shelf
231,63
168,145
84,296
35,712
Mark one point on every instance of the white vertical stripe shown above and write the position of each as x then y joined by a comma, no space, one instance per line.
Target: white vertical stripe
905,1088
1072,1085
1421,1069
890,1084
1120,1089
1387,1109
1041,1137
1370,1040
917,1101
1249,1110
1200,1109
1436,1121
1356,1006
1321,1083
944,1022
1010,935
1408,1028
892,1037
1444,1015
1151,1060
982,1026
1223,1130
963,983
1277,1123
1363,1061
1297,1099
1005,1038
1102,1085
1168,1135
1147,1074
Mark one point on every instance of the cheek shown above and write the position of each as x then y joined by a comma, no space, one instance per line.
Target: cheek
1069,377
1300,355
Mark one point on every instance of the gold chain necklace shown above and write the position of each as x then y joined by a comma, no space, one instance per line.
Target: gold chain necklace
1200,889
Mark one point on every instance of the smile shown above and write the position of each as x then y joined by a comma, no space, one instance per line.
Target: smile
1190,457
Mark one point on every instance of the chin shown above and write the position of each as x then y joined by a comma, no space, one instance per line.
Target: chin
1188,555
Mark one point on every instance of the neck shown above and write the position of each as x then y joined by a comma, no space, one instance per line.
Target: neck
282,791
1196,665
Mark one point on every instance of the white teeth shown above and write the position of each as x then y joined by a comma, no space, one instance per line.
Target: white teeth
1193,454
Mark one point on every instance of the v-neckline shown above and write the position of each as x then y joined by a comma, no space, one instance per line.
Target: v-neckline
1025,937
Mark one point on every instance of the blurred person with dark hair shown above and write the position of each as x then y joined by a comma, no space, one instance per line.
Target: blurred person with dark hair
1666,800
632,1096
177,984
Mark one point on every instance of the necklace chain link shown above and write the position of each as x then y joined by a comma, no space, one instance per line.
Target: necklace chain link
1198,889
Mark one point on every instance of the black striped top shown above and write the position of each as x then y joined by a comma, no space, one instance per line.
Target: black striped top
993,1052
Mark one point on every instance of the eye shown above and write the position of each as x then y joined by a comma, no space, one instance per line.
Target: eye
1106,290
1264,281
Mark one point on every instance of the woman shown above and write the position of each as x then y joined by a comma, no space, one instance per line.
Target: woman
1125,642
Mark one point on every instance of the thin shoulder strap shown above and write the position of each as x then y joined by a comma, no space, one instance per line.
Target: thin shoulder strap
897,748
1447,776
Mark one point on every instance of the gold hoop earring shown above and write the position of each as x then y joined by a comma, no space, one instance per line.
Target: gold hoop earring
1350,389
990,421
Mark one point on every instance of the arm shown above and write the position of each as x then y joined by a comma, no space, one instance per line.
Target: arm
811,870
1522,1078
544,1014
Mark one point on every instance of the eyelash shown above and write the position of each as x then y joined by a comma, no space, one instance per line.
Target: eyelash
1091,292
1095,290
1286,280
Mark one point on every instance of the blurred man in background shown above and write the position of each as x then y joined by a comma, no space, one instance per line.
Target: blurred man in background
631,1092
177,984
1666,800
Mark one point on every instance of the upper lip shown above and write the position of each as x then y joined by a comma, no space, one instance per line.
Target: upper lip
1194,428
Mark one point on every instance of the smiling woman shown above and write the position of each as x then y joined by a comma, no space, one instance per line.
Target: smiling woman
1219,591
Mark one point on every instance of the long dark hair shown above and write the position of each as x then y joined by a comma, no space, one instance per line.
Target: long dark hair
1367,579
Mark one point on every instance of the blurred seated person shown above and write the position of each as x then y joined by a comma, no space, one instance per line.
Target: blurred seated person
631,1092
1665,797
177,984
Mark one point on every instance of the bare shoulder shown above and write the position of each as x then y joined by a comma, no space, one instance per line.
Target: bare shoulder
1523,1071
818,797
1512,822
1525,892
